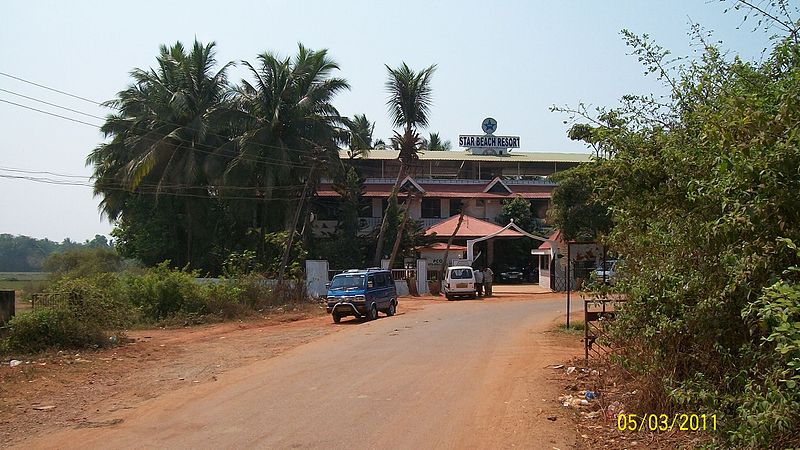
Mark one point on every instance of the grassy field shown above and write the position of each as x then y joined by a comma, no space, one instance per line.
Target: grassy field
24,284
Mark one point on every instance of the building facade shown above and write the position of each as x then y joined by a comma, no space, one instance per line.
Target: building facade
444,181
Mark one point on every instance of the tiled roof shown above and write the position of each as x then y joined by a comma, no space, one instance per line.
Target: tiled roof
451,190
556,236
470,228
443,246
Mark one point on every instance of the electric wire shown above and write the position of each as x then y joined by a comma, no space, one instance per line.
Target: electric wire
171,194
109,106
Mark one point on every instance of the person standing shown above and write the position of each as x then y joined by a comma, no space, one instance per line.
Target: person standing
488,278
478,282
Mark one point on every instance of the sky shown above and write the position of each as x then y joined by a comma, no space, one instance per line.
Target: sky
511,60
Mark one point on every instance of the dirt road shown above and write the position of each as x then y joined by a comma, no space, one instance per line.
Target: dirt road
467,374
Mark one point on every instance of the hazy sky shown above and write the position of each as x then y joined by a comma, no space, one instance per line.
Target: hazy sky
509,60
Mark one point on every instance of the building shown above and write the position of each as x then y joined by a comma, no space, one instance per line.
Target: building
480,179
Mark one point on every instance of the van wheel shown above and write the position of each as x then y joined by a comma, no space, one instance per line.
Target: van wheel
392,309
373,313
337,318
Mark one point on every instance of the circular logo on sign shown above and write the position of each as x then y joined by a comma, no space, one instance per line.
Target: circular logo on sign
489,125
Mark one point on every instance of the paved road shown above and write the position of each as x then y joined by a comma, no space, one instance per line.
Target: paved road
442,377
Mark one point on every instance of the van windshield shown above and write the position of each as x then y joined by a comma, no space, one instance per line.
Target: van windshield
460,274
348,282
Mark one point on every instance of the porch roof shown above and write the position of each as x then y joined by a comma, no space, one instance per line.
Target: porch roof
471,227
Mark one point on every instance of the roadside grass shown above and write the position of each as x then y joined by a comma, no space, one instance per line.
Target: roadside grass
94,311
575,327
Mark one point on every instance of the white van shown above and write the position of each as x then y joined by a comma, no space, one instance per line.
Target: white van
459,281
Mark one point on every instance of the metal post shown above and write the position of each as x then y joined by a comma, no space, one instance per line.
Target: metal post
586,331
568,284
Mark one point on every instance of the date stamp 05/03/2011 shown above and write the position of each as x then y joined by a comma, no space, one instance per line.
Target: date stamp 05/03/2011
667,422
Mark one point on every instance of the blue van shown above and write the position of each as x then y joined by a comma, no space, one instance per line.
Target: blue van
361,293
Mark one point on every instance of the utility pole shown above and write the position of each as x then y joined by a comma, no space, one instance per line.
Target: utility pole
288,249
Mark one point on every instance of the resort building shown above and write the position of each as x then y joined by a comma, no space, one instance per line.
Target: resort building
478,179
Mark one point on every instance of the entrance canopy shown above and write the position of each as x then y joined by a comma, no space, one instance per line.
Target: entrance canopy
470,228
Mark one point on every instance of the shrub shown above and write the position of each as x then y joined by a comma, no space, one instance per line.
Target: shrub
161,292
51,327
90,309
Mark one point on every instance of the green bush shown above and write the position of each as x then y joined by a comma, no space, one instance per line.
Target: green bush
51,327
161,292
702,194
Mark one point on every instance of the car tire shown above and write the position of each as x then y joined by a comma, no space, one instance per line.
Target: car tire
373,313
392,309
448,297
337,318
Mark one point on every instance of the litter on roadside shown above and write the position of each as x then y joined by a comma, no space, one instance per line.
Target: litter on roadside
14,362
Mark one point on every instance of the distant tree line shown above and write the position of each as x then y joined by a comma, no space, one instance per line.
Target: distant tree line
27,254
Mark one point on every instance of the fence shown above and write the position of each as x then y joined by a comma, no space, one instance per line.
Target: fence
51,300
598,314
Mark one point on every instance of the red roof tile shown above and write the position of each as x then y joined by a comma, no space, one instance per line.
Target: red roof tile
443,246
556,236
470,228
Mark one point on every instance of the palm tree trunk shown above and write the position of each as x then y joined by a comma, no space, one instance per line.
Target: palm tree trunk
293,227
189,236
449,243
400,230
376,262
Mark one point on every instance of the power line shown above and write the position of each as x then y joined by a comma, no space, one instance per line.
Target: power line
53,89
172,194
106,105
51,104
113,182
49,113
261,160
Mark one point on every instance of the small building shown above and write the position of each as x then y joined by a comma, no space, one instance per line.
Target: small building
434,254
584,257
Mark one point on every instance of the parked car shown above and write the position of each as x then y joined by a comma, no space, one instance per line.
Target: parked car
607,273
361,293
459,281
511,274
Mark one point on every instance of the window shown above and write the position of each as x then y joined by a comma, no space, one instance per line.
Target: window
460,274
544,263
370,282
431,208
347,281
386,280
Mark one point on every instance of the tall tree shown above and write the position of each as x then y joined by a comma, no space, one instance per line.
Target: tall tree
360,139
435,143
410,99
162,134
285,124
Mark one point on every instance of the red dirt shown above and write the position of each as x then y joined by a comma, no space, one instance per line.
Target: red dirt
75,389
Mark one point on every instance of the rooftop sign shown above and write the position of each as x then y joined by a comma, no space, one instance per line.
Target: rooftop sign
488,144
473,140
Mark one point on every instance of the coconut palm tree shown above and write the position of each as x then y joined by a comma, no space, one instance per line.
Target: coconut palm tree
163,132
435,143
286,126
361,130
410,98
